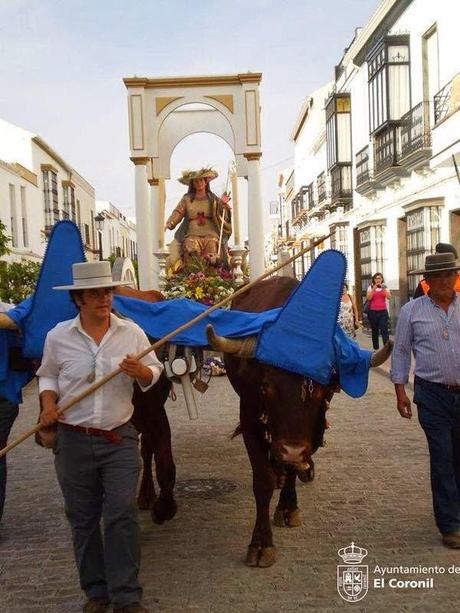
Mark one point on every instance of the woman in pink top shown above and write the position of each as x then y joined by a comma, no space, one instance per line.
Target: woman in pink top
377,295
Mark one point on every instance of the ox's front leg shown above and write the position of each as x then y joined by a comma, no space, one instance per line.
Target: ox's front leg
287,512
146,496
261,551
165,506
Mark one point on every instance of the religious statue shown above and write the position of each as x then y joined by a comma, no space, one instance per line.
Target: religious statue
206,221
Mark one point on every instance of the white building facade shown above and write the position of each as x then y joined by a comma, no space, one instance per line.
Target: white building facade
118,232
386,184
37,189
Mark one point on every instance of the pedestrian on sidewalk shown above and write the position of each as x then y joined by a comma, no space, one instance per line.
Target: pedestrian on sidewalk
423,287
429,327
96,450
377,295
348,313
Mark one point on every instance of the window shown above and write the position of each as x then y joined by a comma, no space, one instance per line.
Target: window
50,197
25,233
422,237
69,209
338,130
339,239
310,196
362,165
389,81
430,66
13,214
321,182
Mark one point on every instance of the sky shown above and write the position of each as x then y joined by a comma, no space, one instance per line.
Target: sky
63,61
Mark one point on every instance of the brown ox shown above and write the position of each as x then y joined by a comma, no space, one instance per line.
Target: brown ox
282,420
151,420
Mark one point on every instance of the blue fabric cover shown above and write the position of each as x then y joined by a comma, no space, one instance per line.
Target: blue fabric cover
303,336
159,318
36,315
316,344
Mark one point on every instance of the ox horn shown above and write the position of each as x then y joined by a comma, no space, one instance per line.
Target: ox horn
239,347
381,355
7,323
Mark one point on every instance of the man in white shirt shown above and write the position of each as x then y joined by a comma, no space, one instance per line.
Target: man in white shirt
96,453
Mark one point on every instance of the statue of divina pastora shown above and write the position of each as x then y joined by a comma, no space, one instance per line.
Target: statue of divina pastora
206,222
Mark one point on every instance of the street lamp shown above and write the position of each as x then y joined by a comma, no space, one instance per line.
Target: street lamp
99,223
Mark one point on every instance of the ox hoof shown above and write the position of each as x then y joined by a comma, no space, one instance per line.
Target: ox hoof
252,557
307,475
293,519
267,557
262,557
164,509
287,517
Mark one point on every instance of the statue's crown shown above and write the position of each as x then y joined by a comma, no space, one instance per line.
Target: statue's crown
352,554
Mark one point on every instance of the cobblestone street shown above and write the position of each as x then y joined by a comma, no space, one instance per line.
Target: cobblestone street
371,488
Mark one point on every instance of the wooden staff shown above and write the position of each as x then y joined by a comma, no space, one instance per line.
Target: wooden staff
95,386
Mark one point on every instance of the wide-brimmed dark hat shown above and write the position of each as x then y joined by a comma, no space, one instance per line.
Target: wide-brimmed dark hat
439,262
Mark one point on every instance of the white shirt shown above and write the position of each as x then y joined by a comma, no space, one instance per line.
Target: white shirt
70,356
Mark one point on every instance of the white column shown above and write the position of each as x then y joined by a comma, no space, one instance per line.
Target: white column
255,218
154,204
236,209
161,212
143,227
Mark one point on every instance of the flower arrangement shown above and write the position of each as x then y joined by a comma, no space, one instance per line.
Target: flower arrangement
200,282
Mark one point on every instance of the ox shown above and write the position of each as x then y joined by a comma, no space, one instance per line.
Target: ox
150,419
282,420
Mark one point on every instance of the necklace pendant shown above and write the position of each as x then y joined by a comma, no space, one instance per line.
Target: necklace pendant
445,334
91,378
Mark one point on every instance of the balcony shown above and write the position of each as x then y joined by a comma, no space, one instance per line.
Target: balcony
341,187
365,182
415,137
300,218
446,129
386,155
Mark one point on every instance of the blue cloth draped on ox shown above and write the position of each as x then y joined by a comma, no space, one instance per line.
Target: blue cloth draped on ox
302,336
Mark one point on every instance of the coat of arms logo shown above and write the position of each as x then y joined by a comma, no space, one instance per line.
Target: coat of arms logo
352,577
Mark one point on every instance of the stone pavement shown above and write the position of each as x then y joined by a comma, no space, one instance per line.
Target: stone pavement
371,488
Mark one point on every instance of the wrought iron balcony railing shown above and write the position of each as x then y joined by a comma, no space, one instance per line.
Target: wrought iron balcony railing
341,187
386,147
415,130
362,165
442,102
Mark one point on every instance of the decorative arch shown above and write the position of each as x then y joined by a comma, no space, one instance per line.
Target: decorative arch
156,126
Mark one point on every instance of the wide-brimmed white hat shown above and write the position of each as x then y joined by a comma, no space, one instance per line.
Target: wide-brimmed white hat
92,275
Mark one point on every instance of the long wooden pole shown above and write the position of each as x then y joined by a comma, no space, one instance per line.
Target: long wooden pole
95,386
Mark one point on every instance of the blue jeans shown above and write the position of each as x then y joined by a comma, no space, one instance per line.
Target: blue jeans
98,479
439,416
8,413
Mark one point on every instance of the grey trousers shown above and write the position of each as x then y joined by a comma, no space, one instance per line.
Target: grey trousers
99,480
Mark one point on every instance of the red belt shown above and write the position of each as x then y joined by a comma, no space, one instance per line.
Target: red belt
110,435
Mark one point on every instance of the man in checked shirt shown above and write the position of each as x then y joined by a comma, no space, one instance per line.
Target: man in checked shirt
96,452
429,327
